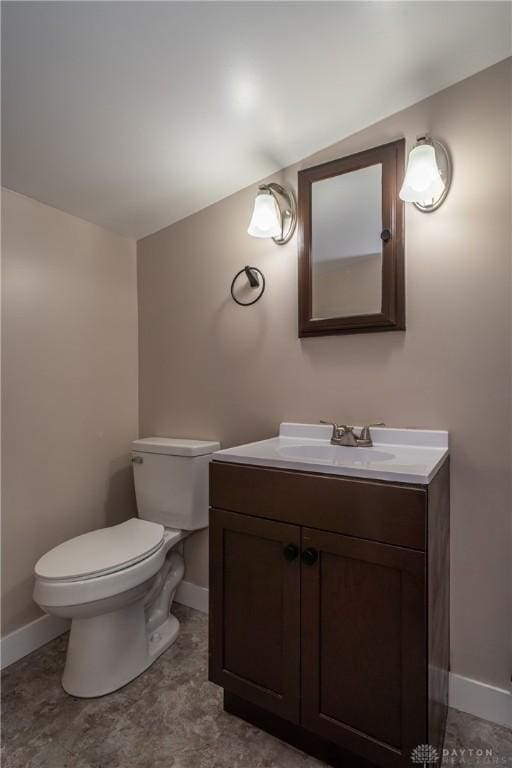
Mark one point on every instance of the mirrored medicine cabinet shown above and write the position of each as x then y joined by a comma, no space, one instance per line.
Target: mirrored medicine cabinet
351,248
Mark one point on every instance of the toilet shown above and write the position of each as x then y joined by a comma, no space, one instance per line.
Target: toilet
117,584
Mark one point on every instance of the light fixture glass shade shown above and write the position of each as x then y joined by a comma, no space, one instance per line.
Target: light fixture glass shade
423,183
266,217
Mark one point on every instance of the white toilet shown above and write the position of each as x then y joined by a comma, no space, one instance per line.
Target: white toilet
117,584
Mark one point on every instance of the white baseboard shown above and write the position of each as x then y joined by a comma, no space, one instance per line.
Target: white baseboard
472,696
193,596
29,638
480,699
24,640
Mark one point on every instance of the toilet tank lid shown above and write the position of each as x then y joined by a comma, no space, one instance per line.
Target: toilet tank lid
175,446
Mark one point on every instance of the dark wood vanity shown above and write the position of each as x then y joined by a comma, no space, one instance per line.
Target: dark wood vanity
329,609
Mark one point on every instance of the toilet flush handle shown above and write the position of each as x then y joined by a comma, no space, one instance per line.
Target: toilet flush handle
137,459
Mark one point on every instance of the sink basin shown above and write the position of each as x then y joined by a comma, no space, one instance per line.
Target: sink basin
398,455
336,454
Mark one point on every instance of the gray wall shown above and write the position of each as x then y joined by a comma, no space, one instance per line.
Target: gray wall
69,387
210,369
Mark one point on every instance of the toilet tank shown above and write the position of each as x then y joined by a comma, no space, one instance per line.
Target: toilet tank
171,480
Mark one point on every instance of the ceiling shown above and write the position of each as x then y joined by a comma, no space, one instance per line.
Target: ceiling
133,115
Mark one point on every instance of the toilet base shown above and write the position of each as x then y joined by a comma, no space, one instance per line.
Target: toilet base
108,651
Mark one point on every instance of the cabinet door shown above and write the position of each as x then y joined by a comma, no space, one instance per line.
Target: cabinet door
255,610
363,645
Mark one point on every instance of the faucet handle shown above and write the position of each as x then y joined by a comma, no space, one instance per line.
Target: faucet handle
333,425
338,429
365,431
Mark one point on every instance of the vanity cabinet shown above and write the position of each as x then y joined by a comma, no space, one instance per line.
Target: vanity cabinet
329,609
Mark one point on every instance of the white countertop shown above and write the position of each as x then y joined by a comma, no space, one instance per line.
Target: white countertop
398,455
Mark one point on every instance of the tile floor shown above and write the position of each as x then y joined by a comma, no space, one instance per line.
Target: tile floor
170,717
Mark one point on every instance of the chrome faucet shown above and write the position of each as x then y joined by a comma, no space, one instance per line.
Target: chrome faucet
342,434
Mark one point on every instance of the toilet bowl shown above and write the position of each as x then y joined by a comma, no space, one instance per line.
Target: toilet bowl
117,584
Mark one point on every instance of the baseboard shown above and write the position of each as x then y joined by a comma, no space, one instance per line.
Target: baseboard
480,699
472,696
29,638
24,640
193,596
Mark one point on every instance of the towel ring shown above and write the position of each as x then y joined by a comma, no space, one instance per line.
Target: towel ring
256,279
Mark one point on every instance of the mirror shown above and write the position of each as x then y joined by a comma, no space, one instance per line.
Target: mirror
351,244
346,248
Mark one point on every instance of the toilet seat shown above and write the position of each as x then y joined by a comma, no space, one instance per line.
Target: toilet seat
100,552
56,593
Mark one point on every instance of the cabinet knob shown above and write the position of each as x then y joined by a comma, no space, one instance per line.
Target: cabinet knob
309,556
290,552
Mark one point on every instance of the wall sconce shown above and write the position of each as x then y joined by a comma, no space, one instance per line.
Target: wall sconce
428,176
274,214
